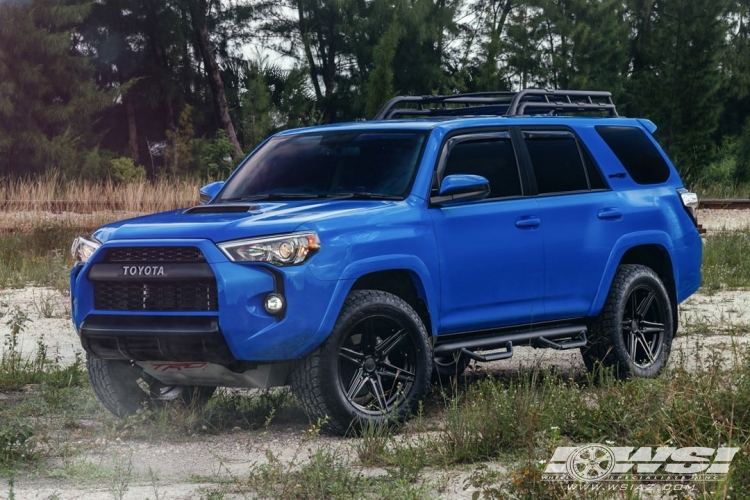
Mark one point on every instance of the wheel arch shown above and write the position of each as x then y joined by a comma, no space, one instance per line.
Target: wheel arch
410,276
654,255
403,283
657,258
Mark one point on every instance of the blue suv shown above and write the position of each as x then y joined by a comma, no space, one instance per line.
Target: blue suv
357,262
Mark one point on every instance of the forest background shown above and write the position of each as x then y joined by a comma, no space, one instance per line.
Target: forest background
128,89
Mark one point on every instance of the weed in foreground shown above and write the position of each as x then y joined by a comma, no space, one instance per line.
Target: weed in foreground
228,409
492,418
16,370
326,474
18,442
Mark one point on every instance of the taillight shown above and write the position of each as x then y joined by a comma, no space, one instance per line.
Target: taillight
690,202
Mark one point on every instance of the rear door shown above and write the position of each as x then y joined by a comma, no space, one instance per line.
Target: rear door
582,219
491,251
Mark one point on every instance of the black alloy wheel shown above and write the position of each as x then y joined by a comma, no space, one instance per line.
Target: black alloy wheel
377,364
643,326
373,368
634,330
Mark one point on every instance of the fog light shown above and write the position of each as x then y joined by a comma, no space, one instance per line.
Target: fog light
274,304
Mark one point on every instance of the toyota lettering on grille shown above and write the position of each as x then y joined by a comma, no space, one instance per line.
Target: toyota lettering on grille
143,271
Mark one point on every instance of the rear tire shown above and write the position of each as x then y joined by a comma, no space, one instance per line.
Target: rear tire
633,333
449,367
374,367
123,388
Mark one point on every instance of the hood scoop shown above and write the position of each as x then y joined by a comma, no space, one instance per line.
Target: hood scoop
222,208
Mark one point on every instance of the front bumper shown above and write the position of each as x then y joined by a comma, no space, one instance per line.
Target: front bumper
247,330
164,338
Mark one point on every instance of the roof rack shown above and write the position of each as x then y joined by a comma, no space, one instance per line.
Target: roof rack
525,102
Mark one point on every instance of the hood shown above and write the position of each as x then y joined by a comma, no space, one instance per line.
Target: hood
259,219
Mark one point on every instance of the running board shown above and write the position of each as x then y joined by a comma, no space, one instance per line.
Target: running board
566,344
495,356
559,338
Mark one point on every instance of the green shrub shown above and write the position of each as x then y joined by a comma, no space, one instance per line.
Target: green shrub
215,156
17,442
124,170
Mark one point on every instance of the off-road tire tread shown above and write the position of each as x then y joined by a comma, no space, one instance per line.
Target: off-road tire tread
600,352
105,385
310,388
101,380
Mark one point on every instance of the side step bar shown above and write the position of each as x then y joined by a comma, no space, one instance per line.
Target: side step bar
560,338
489,357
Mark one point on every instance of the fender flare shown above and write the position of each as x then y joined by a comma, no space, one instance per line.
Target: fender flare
625,243
426,287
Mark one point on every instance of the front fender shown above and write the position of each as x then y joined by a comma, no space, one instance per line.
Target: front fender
426,287
622,245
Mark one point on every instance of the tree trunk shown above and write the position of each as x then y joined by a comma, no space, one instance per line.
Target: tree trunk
305,35
198,11
171,160
132,131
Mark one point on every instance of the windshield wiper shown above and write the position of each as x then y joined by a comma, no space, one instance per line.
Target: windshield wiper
364,196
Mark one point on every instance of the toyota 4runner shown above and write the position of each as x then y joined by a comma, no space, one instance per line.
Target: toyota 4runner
356,262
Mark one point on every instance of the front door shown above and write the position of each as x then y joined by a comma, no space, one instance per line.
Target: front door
491,251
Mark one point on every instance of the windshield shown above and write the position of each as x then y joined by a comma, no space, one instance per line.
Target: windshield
362,163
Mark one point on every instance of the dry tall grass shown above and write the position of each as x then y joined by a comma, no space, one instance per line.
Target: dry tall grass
54,200
52,193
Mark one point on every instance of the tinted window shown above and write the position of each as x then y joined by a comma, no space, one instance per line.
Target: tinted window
328,163
637,153
491,158
557,162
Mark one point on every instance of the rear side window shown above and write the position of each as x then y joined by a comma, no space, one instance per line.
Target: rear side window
636,152
492,158
556,159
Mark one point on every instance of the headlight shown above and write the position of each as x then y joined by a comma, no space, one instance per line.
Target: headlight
281,250
84,248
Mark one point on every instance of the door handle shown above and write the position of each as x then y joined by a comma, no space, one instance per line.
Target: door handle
610,214
528,223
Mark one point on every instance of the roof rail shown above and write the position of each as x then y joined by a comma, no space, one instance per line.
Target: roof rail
525,102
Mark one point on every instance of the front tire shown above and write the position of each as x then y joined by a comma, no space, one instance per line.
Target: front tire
123,388
633,333
375,366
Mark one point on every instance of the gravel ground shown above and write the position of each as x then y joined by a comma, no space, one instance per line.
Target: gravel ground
718,220
194,468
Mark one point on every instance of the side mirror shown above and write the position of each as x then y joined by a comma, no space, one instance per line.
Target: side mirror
460,188
208,191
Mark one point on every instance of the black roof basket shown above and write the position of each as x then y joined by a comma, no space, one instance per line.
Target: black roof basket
525,102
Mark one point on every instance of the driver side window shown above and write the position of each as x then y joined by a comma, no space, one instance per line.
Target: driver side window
492,158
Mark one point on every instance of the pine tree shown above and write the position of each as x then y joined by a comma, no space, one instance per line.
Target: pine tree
380,80
48,99
677,80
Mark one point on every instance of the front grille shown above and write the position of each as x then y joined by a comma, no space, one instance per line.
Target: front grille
194,289
199,295
154,254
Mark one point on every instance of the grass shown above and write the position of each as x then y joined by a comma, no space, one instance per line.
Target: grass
53,193
518,420
725,260
39,255
720,191
38,224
